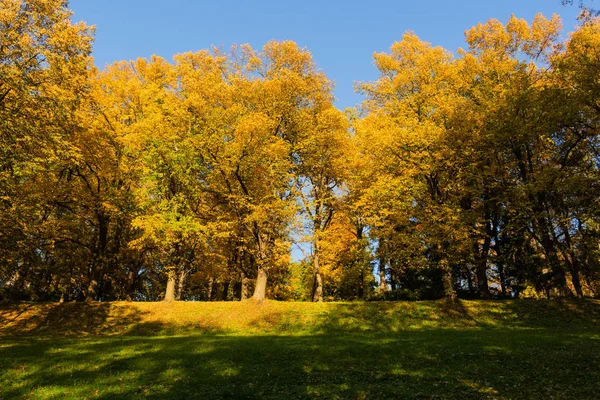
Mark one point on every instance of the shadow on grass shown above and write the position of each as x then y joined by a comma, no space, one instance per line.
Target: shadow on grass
522,314
475,349
77,319
419,364
69,319
83,319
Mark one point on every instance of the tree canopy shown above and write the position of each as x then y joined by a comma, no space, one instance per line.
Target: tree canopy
473,174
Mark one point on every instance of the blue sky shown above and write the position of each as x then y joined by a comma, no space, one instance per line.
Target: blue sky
341,35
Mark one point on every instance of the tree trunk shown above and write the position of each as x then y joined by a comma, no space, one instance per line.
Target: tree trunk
470,281
575,278
545,227
170,293
99,259
318,288
92,291
361,285
245,292
211,283
560,281
225,290
130,287
481,266
482,280
393,283
382,262
382,280
260,290
180,281
318,280
573,264
393,277
448,281
502,278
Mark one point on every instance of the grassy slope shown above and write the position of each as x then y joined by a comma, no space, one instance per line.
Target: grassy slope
513,349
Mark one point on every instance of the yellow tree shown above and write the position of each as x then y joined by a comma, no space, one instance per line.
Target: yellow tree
507,65
322,153
247,111
141,104
576,93
44,59
248,163
404,132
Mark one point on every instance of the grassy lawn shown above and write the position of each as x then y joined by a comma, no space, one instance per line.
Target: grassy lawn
520,349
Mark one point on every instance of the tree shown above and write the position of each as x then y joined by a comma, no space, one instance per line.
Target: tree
404,129
44,79
322,155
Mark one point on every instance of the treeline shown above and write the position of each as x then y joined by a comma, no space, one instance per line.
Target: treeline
472,175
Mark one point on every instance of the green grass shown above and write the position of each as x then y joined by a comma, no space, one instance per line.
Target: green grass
433,349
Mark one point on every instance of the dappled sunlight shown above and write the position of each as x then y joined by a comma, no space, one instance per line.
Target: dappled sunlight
468,349
217,226
484,390
272,317
68,318
383,365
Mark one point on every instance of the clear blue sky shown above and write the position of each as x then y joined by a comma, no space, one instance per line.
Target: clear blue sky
341,35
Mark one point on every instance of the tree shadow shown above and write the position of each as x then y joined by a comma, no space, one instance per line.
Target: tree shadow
471,349
407,364
548,313
84,319
70,319
77,319
473,314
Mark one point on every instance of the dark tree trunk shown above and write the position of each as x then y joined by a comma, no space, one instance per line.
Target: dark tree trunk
99,257
393,283
469,280
482,280
482,258
361,285
573,263
382,263
225,290
130,286
576,279
502,274
448,281
180,283
544,227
